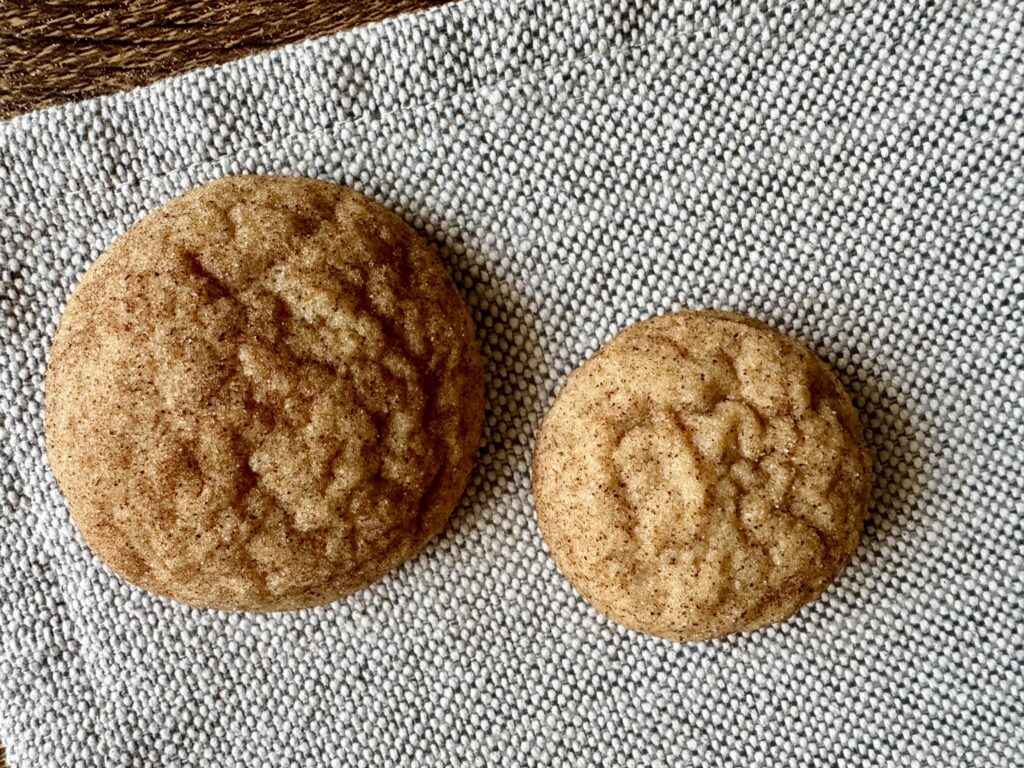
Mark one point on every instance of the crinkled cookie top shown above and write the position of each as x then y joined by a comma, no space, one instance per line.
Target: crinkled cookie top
263,396
701,475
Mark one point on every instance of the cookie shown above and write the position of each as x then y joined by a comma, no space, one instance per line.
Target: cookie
701,475
264,396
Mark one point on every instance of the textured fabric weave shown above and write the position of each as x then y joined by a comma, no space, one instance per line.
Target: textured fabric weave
850,172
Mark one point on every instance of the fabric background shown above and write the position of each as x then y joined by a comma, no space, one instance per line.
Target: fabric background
850,172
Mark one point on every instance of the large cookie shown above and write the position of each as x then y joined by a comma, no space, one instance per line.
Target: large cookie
263,396
701,475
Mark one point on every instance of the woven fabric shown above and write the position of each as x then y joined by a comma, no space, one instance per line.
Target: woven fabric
850,172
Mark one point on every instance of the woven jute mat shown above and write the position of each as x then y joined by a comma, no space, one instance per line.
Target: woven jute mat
55,52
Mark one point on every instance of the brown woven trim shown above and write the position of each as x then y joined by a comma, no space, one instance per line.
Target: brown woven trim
54,51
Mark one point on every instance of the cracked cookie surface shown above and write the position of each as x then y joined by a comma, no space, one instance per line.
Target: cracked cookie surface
263,396
701,475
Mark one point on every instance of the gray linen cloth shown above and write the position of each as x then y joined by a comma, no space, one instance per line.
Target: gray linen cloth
850,172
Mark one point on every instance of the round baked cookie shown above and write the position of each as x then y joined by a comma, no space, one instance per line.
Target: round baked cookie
701,475
263,396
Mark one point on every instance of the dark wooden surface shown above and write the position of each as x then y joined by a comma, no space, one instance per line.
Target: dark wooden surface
54,51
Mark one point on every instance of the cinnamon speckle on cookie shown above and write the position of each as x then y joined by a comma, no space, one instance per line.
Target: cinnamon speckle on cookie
701,475
263,396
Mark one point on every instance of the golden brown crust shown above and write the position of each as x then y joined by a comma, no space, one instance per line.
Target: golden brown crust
702,474
263,396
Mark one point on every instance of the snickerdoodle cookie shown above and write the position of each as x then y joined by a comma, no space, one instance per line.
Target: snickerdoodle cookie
702,474
263,396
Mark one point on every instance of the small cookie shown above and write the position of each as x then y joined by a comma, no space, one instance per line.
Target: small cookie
263,396
702,474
